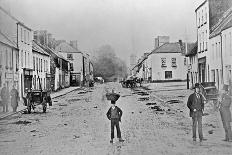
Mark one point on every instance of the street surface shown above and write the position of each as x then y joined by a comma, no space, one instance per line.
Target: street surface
155,121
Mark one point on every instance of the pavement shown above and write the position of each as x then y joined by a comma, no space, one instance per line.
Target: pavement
53,96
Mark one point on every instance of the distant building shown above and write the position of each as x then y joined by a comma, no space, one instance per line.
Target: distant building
168,63
80,63
133,62
160,40
192,65
41,68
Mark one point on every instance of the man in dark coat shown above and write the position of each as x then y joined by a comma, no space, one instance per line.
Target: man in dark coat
225,102
196,106
14,98
5,95
114,114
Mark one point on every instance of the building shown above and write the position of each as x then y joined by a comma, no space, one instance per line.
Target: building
41,68
76,58
9,62
221,46
168,63
202,20
59,65
160,40
192,65
22,36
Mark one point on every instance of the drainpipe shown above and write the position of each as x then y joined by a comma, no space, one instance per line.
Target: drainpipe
222,59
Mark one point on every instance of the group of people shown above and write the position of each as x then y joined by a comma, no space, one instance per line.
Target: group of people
9,97
196,102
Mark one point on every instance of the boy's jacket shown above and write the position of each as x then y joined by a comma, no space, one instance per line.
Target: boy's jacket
108,114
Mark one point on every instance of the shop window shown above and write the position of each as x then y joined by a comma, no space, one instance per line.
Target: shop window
168,74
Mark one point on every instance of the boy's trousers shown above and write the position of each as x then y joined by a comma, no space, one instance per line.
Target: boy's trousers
115,122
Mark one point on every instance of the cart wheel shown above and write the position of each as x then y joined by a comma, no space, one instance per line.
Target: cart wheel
44,108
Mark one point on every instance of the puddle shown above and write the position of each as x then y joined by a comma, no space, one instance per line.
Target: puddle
143,99
173,101
151,104
22,122
157,108
73,100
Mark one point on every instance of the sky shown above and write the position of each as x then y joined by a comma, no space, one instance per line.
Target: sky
129,26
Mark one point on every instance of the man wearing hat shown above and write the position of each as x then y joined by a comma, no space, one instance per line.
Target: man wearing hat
114,114
225,102
195,104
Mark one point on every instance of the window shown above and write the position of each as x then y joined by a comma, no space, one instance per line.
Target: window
212,51
225,43
71,66
219,50
205,15
230,50
203,41
17,61
163,62
44,66
25,59
213,75
202,18
37,64
174,62
22,34
22,58
33,62
28,38
168,74
25,36
11,59
185,61
69,56
1,59
6,59
206,38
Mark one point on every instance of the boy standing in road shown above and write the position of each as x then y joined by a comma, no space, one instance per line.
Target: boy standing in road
196,106
114,114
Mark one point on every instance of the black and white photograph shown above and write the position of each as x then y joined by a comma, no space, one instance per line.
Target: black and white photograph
115,77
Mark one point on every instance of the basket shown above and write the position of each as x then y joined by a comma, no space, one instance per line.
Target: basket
112,96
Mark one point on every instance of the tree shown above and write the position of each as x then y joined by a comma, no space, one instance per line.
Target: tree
108,65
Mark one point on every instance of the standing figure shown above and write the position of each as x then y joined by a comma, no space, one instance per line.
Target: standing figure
14,98
224,108
114,114
5,97
196,106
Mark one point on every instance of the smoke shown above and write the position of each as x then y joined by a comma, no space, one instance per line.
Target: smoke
108,65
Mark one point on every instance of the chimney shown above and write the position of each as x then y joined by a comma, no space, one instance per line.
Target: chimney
49,40
73,43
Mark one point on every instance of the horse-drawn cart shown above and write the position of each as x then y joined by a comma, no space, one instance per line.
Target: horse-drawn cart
37,97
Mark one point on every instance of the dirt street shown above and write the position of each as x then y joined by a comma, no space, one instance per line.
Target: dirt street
77,124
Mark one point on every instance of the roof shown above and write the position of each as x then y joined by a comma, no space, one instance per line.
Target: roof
4,39
38,49
224,23
192,50
52,52
200,5
168,48
64,47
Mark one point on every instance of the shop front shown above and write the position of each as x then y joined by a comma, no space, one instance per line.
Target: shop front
75,79
202,69
27,79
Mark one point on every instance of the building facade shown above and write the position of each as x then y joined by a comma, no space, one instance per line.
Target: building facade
202,22
41,68
9,63
168,63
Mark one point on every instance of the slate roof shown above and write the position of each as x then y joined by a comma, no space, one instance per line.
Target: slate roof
168,48
192,50
38,49
68,48
224,23
4,39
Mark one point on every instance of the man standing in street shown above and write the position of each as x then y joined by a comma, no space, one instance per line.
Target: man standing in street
14,98
5,97
196,106
225,102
